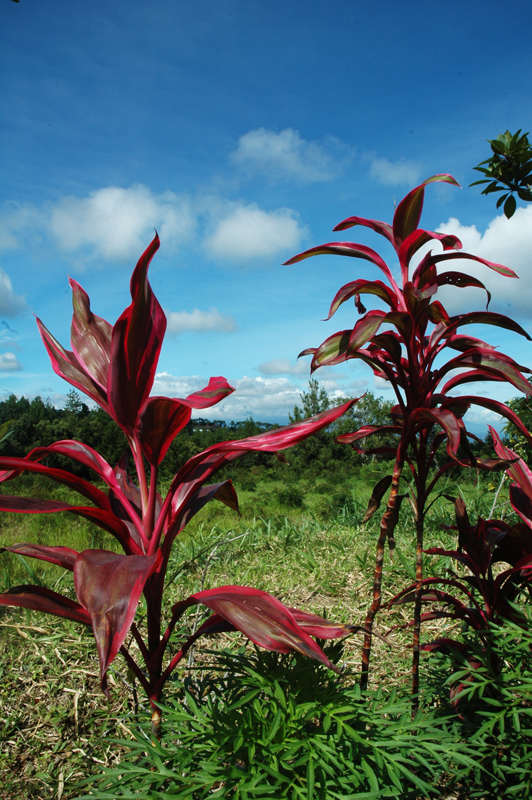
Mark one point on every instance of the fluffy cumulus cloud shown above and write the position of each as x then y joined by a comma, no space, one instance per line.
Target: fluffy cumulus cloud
283,366
505,241
287,156
115,223
11,304
267,399
394,173
9,363
199,321
249,233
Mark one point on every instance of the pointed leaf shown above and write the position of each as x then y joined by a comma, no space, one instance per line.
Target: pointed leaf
488,318
367,430
408,212
217,389
417,239
345,249
159,422
383,228
90,337
365,329
332,351
62,556
261,617
461,280
379,490
319,627
446,419
224,492
109,587
356,288
66,365
38,598
502,270
136,344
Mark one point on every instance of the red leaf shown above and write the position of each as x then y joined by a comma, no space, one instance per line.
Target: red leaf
383,228
363,287
217,389
62,556
365,329
502,270
346,249
90,338
136,344
319,627
415,240
260,617
159,422
40,599
109,587
446,419
408,212
66,365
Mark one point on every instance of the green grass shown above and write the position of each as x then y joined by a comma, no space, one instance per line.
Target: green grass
301,541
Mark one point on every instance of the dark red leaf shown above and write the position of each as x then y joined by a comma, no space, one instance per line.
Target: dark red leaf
159,422
90,338
62,556
346,249
260,617
136,344
38,598
408,212
383,228
109,587
356,288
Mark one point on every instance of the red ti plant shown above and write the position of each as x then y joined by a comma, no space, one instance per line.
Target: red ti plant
115,366
405,344
480,598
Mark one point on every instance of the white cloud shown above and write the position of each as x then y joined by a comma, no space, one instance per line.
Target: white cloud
9,363
283,366
287,156
11,304
395,173
248,232
115,223
199,321
505,241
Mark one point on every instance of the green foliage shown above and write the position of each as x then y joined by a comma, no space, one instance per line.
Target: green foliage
508,170
496,710
263,725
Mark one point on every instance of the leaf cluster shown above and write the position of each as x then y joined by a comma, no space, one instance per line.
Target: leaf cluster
264,725
508,170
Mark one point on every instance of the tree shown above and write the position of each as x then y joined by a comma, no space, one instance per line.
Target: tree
508,170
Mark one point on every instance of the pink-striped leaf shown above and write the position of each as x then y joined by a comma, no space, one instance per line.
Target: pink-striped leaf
367,430
159,422
217,389
461,280
383,228
356,288
79,485
417,239
345,249
500,268
62,556
81,453
365,329
109,587
224,492
332,351
408,212
260,617
321,628
488,362
488,318
37,598
90,338
446,419
66,365
136,344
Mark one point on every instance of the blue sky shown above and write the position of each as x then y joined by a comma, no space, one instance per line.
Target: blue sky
244,130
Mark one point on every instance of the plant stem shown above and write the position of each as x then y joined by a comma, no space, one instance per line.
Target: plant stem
388,522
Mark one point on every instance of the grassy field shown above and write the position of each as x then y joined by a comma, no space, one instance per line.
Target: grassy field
303,543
